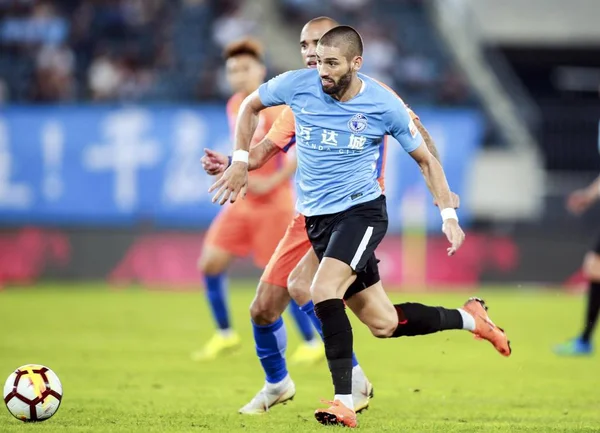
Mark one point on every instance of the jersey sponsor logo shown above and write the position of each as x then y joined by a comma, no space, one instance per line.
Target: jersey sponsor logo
329,137
358,123
357,142
303,132
329,140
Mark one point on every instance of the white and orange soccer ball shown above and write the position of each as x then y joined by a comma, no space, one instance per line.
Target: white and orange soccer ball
32,393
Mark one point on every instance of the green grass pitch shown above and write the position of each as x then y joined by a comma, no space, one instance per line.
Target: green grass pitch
123,358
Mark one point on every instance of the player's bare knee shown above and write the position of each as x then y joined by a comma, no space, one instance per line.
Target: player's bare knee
324,287
262,313
268,304
213,261
211,265
591,266
383,328
322,291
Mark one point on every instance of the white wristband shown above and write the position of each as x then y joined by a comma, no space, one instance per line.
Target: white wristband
448,214
240,156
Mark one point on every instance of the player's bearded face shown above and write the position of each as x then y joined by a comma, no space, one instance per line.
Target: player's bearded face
333,86
334,69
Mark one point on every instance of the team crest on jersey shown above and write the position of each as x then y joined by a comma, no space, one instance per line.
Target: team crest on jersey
358,123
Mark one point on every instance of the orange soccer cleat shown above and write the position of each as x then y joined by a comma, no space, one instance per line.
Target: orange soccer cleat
336,414
485,329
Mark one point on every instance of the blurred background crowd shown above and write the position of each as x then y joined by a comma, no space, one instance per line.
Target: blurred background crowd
158,50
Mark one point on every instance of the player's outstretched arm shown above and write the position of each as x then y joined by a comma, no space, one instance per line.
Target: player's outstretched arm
215,163
234,181
579,201
438,185
247,122
277,91
261,153
433,150
279,138
427,139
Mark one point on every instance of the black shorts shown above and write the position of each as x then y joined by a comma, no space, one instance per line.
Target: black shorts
352,236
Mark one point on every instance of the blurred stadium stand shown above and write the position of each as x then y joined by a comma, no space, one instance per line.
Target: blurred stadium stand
157,50
508,89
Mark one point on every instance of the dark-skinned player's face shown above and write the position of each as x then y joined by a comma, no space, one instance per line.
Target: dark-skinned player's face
244,73
309,37
335,69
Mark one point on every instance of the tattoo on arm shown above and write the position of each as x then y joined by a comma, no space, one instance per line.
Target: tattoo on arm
261,153
428,140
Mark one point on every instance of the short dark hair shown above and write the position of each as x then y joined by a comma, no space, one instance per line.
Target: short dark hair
246,46
344,35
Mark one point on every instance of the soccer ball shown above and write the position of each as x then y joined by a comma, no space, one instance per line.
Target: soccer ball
32,393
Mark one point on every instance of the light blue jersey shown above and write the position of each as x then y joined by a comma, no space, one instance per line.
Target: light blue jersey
338,143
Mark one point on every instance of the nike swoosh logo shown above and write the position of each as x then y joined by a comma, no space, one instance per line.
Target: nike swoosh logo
303,111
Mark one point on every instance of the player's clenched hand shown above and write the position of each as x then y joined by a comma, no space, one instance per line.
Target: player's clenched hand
233,183
214,163
454,234
455,200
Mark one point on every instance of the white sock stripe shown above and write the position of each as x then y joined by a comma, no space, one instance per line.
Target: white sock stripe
346,400
468,320
361,247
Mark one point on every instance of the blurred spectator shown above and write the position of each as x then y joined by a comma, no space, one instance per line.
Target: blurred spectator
104,78
137,80
119,78
54,74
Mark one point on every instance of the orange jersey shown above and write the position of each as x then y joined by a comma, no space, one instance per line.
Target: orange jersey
283,193
283,134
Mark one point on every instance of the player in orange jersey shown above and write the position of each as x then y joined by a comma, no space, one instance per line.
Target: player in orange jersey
255,225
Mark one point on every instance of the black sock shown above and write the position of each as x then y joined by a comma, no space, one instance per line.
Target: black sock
418,319
593,306
337,337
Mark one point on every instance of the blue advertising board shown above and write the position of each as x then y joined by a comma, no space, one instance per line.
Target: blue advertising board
122,165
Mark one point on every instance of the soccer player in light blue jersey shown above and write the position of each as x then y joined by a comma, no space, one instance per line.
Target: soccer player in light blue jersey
341,118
